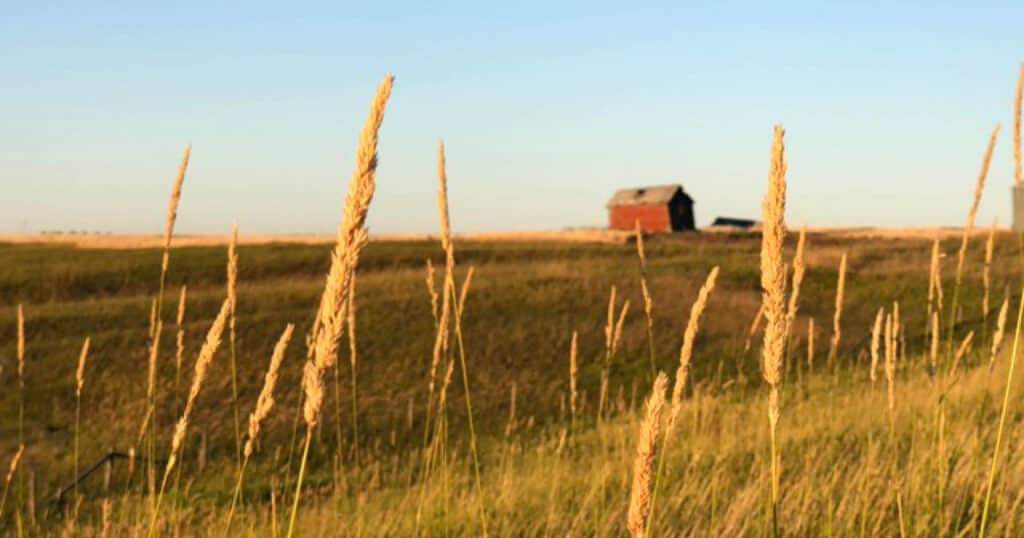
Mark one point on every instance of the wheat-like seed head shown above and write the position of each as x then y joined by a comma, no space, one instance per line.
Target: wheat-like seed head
609,326
465,290
755,324
573,370
961,351
432,289
21,346
232,274
640,244
935,277
890,362
313,393
978,187
182,297
443,396
896,327
180,340
838,316
203,360
617,334
14,463
981,176
644,291
1016,126
172,206
810,343
876,333
152,317
987,269
80,371
643,462
442,201
686,350
443,321
997,338
773,274
154,348
352,237
440,338
798,278
265,402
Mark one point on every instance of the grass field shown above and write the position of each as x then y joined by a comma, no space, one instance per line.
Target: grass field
525,302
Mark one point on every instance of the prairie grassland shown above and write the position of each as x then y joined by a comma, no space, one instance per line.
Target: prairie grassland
453,414
524,304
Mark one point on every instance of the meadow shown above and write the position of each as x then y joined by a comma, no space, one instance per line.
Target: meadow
461,387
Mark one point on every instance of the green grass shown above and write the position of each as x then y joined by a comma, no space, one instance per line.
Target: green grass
526,300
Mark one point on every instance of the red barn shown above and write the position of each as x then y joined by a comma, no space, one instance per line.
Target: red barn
662,208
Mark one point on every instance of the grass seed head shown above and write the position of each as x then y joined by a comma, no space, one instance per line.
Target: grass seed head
773,274
643,462
80,371
265,402
686,350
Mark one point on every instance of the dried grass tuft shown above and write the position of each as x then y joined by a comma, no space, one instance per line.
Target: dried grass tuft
833,348
686,350
265,401
643,462
876,334
997,338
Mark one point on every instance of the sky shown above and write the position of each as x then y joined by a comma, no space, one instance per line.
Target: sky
545,109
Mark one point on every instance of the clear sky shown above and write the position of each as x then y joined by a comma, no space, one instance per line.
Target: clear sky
546,108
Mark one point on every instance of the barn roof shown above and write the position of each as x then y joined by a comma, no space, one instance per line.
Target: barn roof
653,195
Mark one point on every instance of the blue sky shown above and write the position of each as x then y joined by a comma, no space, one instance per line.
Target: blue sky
546,108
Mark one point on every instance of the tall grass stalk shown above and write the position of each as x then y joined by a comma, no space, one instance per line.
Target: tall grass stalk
232,290
442,203
773,284
799,268
21,405
997,337
331,313
1002,421
648,302
968,226
646,450
12,468
440,351
179,354
79,384
573,372
203,360
682,373
150,406
876,335
609,336
810,347
264,404
833,347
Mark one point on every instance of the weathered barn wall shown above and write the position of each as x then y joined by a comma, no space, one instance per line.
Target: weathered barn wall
652,218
